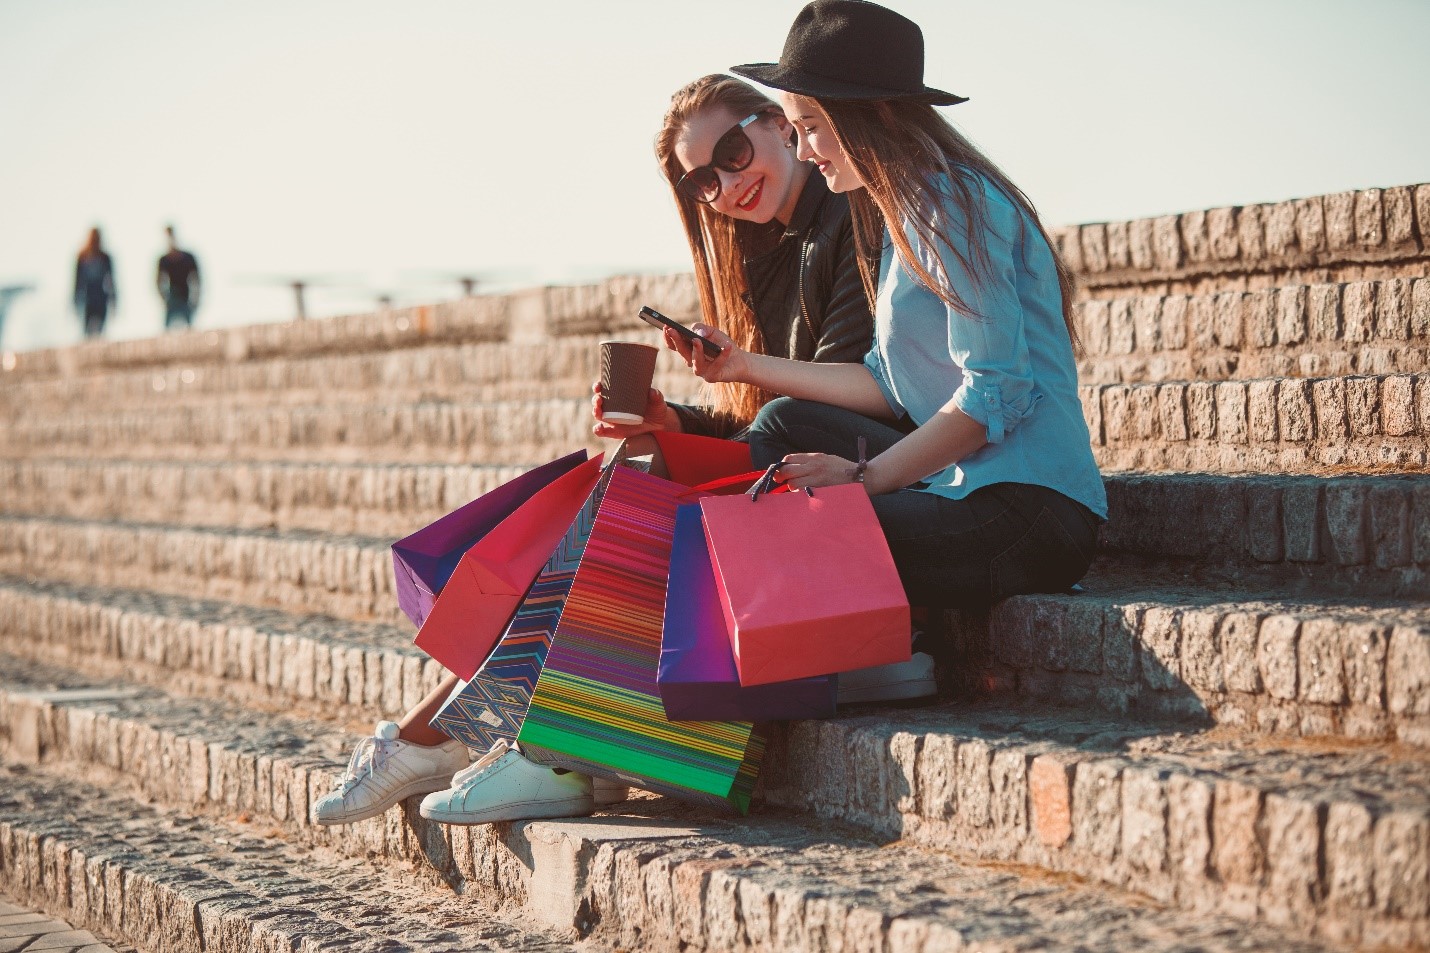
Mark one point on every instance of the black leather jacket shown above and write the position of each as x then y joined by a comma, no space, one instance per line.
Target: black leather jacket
805,292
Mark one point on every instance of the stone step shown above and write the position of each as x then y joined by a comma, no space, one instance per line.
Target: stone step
1368,327
1288,425
1260,662
165,880
454,432
1347,236
1266,662
486,372
1352,534
531,314
1377,327
264,658
381,500
345,576
1190,821
1368,534
658,881
1280,425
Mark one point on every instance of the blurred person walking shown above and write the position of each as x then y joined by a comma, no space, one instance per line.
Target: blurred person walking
94,292
177,279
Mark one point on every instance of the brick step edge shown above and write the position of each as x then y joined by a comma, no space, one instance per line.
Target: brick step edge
671,879
1204,841
1365,327
489,371
371,499
1286,425
1359,532
1322,235
1369,327
1265,665
1366,534
218,649
167,881
346,577
1125,821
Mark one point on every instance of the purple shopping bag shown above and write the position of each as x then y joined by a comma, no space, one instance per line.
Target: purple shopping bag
697,675
423,562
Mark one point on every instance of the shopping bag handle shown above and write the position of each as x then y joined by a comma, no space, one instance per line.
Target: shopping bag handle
724,483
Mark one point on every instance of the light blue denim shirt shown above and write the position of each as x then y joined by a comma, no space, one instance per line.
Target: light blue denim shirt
1009,365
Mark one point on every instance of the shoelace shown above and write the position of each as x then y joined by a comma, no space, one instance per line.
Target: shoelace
471,771
370,757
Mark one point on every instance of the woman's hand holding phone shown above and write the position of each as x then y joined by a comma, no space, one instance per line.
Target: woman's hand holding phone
726,367
658,416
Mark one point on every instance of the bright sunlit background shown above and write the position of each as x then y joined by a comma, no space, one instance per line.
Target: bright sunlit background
381,148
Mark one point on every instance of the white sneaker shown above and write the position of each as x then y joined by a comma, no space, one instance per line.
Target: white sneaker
385,770
885,683
502,785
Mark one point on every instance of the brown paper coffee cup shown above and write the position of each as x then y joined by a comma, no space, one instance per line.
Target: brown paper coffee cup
627,369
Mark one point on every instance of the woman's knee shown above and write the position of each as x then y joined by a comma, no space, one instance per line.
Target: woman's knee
770,431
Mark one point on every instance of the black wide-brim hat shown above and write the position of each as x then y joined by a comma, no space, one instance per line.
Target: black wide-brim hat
851,49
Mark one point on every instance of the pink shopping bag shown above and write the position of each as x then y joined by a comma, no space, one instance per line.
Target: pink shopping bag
807,583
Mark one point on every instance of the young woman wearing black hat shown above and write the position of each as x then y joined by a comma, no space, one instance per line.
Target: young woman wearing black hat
996,491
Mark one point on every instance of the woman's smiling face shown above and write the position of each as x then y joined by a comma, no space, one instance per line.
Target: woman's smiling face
767,188
818,144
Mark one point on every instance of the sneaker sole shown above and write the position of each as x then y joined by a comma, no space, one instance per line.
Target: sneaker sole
607,793
522,811
889,692
412,790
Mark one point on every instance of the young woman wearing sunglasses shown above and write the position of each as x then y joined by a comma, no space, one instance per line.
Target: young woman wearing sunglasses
996,491
773,248
774,261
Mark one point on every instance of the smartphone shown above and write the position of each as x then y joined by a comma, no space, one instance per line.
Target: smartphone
655,319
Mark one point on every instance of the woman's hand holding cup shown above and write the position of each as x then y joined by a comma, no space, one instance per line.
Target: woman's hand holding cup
657,417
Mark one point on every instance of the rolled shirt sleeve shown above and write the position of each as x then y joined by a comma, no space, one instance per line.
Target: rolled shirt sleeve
991,343
874,363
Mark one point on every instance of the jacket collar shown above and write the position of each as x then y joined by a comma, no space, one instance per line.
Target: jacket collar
811,197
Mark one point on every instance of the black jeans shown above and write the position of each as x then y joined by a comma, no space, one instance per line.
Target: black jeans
998,541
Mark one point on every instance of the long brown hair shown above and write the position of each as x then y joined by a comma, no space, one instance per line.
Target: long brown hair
902,149
717,242
94,245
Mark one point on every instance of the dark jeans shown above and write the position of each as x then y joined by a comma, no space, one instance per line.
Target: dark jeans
998,541
94,323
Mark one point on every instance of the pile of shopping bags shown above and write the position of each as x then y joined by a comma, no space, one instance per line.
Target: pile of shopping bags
635,619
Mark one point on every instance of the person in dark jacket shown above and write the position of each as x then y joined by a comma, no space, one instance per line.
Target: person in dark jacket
177,278
94,292
774,253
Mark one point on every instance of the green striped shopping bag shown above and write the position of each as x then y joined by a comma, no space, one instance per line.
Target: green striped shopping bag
596,707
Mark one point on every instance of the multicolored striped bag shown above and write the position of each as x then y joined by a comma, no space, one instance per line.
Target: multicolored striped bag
597,707
493,704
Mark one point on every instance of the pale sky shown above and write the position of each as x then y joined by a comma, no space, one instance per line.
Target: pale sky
382,146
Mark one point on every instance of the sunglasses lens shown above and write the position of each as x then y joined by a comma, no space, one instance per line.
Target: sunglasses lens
702,184
734,151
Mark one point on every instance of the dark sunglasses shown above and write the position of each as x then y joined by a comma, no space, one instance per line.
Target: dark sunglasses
733,152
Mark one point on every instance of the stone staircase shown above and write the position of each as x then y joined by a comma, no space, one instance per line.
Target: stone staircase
1221,744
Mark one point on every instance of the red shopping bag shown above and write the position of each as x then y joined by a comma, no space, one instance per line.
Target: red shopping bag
493,576
424,561
807,583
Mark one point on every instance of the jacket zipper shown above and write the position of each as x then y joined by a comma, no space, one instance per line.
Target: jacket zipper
803,310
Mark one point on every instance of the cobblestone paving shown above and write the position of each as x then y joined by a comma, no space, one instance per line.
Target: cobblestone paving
25,931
